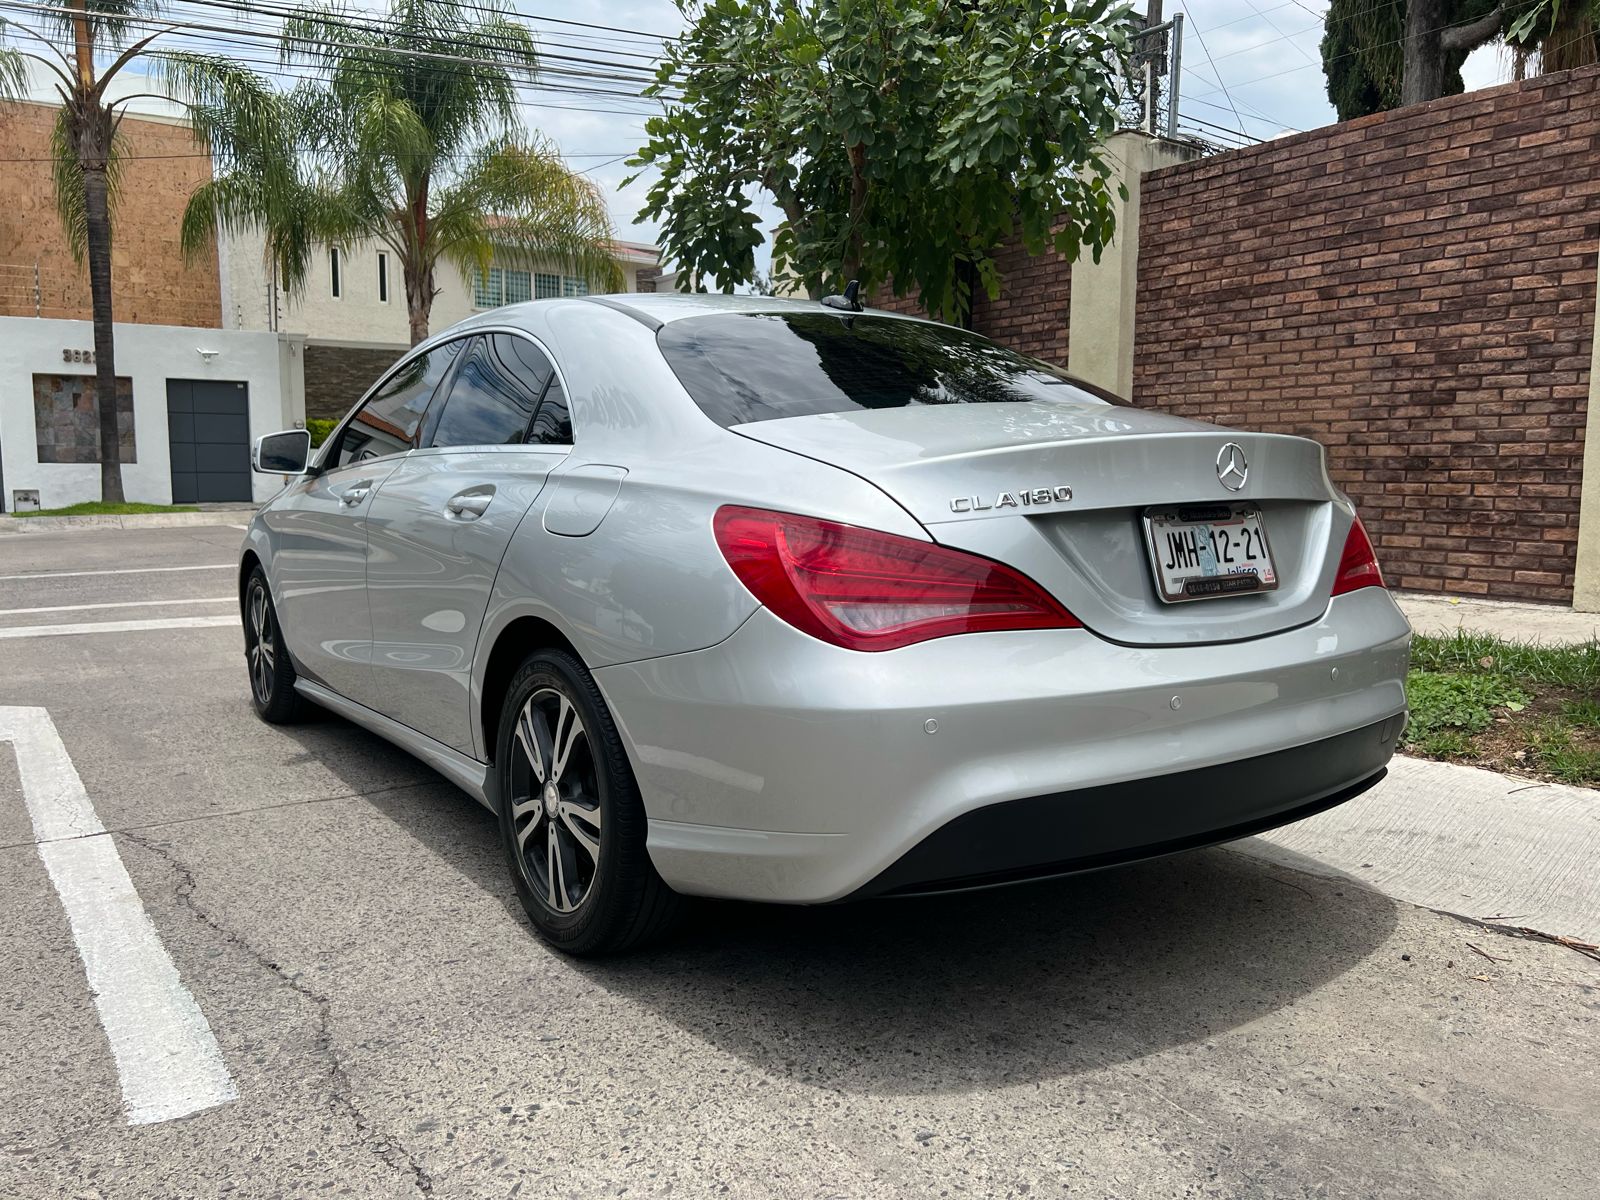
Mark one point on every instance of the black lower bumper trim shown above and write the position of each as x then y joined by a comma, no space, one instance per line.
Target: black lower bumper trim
1090,828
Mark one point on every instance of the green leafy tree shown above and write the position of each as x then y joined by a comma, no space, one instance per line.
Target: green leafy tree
68,44
1383,55
1363,58
903,140
410,136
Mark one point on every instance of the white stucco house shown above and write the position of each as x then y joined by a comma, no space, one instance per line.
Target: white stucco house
351,313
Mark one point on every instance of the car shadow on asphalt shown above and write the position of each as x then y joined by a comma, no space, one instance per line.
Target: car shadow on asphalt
992,988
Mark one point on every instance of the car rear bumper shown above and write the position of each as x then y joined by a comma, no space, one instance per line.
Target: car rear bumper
776,767
1117,823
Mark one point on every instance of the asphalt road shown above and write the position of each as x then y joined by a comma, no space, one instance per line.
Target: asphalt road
1217,1024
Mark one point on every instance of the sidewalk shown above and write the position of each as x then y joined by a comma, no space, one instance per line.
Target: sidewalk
1443,615
1460,840
209,514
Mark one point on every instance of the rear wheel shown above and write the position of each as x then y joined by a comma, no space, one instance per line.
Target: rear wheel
272,675
571,820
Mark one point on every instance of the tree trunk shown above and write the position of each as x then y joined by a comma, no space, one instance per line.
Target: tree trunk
418,264
1432,43
1423,77
94,150
419,299
1571,40
850,268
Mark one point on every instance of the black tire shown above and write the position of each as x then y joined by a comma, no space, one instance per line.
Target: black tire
266,657
558,805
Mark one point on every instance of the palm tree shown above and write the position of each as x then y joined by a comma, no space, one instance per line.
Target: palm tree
410,135
86,145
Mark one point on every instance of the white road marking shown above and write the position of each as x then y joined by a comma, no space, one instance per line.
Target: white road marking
231,525
19,612
121,571
29,631
168,1062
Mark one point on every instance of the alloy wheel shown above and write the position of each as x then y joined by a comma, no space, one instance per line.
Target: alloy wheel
555,801
262,652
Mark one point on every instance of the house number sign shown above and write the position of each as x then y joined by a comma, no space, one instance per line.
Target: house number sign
77,356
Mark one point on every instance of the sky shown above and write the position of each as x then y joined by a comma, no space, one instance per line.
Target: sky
1251,71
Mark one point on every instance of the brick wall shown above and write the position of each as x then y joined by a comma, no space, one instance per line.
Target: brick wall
337,376
1416,290
1029,315
150,281
1033,306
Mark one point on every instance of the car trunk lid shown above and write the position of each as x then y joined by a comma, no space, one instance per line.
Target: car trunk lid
1060,491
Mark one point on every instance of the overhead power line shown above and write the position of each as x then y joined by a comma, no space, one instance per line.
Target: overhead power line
1200,37
479,56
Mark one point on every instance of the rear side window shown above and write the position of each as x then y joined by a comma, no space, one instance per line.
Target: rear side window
387,423
553,425
742,367
493,396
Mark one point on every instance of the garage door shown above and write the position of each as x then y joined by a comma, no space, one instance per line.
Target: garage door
208,426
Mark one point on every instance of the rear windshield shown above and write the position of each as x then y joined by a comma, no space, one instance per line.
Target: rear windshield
743,367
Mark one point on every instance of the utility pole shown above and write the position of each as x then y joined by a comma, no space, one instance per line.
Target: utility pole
1175,66
1152,66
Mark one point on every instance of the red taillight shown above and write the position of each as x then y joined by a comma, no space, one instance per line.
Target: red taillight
1358,565
866,590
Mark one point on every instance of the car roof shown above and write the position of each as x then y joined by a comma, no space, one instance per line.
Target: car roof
665,307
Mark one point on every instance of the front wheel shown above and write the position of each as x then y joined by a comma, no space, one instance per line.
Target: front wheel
571,819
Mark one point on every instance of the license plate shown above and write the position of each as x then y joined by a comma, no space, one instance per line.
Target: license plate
1200,552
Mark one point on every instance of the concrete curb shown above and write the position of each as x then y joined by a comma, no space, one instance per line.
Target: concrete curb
21,525
1507,619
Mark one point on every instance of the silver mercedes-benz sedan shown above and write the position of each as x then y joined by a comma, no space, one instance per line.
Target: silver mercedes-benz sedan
788,601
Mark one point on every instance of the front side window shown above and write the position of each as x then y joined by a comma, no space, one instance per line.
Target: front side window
493,396
387,423
743,367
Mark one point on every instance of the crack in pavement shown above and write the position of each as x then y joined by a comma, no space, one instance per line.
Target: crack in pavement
234,812
341,1098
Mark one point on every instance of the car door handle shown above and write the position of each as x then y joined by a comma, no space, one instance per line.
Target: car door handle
468,505
356,492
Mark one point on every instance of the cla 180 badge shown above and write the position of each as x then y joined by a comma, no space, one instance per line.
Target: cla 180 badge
1024,499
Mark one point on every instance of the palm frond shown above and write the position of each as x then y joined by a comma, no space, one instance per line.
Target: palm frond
13,72
231,109
522,203
416,56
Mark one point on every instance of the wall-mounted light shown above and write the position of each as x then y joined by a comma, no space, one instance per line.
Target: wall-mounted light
208,355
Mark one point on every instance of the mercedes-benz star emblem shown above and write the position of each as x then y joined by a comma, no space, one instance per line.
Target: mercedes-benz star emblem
1232,466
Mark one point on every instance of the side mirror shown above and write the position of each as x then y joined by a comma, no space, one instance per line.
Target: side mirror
285,453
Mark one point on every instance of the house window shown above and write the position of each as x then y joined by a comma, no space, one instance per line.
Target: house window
488,289
518,285
336,272
383,278
546,286
571,285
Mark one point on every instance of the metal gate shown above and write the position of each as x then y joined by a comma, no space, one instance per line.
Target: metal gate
208,430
